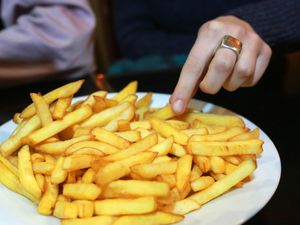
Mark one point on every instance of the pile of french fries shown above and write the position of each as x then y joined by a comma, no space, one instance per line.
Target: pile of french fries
118,161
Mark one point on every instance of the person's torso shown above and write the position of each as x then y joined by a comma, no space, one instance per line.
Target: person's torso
187,16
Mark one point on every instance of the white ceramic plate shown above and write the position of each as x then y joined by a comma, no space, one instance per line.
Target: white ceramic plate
232,208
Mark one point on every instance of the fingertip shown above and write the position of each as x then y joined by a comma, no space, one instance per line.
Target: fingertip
178,106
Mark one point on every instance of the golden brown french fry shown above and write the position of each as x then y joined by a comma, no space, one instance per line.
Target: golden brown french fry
88,151
65,210
127,114
226,148
77,162
211,129
166,130
96,220
57,126
91,99
233,159
254,134
214,119
123,125
185,192
140,124
198,131
80,131
134,148
85,208
229,168
13,160
12,182
50,158
101,146
152,170
185,206
110,102
128,90
105,116
136,188
60,147
17,118
61,92
71,178
178,124
177,150
113,171
59,175
195,173
9,165
164,147
13,143
19,127
222,136
183,172
145,101
81,191
42,109
163,158
163,113
110,138
158,217
202,162
43,168
130,98
202,183
26,175
37,157
61,107
89,176
227,182
170,179
48,199
41,181
125,206
141,112
99,104
131,135
217,164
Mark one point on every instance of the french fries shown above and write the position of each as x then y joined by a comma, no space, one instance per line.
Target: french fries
117,161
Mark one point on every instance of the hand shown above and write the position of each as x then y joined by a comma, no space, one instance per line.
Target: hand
212,70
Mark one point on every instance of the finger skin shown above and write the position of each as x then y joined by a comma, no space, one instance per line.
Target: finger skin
219,70
197,60
261,65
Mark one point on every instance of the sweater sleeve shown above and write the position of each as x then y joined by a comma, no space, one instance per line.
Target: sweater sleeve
138,35
44,37
276,21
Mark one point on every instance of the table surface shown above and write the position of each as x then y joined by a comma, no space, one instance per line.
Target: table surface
265,105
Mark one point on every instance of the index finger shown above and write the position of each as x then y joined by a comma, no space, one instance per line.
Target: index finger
200,54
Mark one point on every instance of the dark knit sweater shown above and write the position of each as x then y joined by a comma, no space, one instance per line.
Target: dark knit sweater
167,27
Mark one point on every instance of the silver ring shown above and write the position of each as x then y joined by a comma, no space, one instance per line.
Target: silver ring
231,43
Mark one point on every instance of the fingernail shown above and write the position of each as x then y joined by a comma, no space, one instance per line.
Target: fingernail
178,106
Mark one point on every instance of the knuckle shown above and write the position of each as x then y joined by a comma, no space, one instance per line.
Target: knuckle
223,64
230,87
254,37
244,70
268,50
212,26
206,89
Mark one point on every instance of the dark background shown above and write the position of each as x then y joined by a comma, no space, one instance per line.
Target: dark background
268,105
